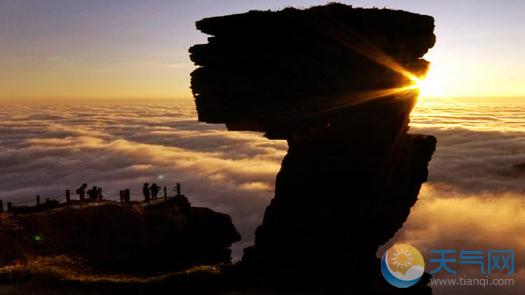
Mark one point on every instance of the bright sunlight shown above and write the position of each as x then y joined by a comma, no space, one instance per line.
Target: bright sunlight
431,85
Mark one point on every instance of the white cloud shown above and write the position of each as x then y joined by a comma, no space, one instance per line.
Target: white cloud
47,148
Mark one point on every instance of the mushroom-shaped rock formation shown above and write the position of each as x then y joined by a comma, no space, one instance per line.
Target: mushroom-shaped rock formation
338,83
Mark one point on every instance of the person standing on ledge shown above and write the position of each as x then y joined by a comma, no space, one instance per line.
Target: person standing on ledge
146,192
93,193
81,191
154,190
99,194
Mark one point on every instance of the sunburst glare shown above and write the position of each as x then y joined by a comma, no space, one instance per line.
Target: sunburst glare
431,85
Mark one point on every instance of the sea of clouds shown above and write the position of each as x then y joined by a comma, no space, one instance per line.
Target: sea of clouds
474,197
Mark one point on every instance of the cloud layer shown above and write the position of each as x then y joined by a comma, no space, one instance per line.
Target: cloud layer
48,149
474,195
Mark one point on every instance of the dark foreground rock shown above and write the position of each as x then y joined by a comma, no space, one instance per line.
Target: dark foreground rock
338,84
113,238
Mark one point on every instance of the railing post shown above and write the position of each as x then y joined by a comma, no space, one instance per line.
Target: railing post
38,201
68,196
178,189
121,194
128,195
165,193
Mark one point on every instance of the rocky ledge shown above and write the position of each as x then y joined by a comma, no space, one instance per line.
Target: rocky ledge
113,238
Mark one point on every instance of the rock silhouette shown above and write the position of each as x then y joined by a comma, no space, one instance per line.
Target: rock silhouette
115,238
337,83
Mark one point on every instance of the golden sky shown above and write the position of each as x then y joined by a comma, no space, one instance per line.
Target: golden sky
134,49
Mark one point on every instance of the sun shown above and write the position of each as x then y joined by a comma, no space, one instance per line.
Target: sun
428,87
432,85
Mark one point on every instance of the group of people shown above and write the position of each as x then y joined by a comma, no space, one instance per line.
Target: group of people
94,194
150,191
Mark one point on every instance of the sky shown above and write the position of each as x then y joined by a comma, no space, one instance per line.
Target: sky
125,49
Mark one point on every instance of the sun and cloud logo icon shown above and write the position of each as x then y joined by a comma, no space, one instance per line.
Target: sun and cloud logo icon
402,265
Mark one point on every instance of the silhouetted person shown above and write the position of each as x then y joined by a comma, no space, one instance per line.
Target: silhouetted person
155,189
99,194
81,191
145,192
92,193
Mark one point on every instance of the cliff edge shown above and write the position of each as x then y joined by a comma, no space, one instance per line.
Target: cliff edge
111,238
